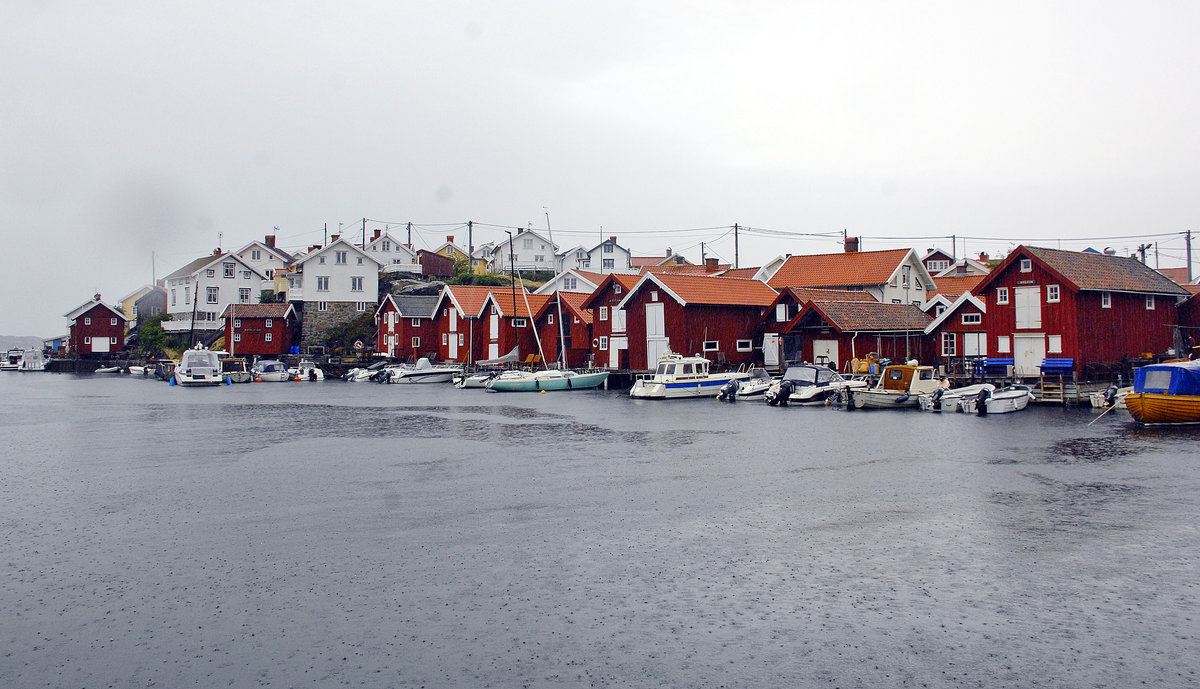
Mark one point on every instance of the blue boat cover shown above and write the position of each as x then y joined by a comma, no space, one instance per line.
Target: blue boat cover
1174,378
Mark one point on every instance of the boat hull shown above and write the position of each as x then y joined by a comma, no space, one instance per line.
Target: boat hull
659,390
534,383
875,399
409,377
1156,408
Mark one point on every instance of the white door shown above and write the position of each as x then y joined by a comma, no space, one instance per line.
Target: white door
618,320
771,343
656,334
100,344
1028,302
493,350
826,352
615,345
1028,352
453,351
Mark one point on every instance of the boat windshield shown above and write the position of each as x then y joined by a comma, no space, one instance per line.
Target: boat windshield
228,365
804,375
825,376
665,369
196,358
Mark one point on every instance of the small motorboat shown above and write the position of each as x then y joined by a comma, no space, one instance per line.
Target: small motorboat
32,361
1166,393
478,379
12,359
899,386
108,369
948,399
810,385
679,376
165,369
1002,401
424,371
270,371
755,387
236,371
199,367
306,370
364,373
551,379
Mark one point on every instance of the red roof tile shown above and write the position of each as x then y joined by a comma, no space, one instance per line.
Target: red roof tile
270,310
470,297
703,289
834,270
871,316
954,286
503,299
1089,271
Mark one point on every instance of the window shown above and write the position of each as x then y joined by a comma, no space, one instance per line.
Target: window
112,321
387,246
1002,345
1026,265
539,258
112,340
323,283
604,342
461,339
211,295
187,294
1001,295
972,318
244,295
1055,344
322,306
228,269
604,313
528,244
321,260
211,272
255,255
745,346
653,295
1106,300
608,263
938,265
362,305
1052,294
245,275
267,337
518,322
356,284
1149,303
267,324
416,342
237,322
549,319
949,344
237,337
87,340
570,283
711,345
445,339
172,297
608,248
416,322
974,344
781,313
339,257
895,301
617,289
360,258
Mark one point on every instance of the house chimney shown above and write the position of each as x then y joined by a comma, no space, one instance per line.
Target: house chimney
449,239
983,257
851,245
961,269
377,235
96,296
313,248
334,238
217,251
710,264
270,241
520,230
613,240
669,252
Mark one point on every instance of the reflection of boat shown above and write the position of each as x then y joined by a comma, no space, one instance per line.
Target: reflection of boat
306,370
199,367
898,387
421,372
1166,393
270,371
551,379
235,370
809,385
947,399
680,376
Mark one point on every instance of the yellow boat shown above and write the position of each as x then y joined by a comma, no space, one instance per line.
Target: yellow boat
1166,393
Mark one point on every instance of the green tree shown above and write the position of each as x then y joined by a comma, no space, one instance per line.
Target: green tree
152,339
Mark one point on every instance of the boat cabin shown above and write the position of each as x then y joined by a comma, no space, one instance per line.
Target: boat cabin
900,378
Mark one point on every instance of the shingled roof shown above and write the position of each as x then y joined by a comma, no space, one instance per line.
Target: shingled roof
833,270
954,286
870,316
1084,270
704,289
268,310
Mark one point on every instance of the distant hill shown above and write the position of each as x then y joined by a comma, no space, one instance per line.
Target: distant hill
8,342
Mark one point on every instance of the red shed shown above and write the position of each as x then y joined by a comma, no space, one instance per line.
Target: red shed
836,332
456,321
259,329
576,328
434,264
507,321
406,326
1096,309
780,343
96,329
717,317
959,333
610,342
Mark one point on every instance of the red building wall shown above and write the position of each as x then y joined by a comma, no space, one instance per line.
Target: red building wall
579,338
470,333
101,326
607,297
426,332
687,328
254,332
954,325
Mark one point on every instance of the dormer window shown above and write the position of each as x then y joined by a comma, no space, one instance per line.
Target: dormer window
1026,265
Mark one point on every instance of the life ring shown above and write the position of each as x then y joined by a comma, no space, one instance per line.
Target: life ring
596,342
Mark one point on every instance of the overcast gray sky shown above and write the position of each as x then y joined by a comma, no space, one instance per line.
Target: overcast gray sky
139,127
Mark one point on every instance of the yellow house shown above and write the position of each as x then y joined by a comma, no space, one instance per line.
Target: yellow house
128,304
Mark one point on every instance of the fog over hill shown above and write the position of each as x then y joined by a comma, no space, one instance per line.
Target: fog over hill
8,342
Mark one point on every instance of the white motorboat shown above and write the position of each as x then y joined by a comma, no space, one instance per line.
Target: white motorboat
32,361
947,399
108,369
679,376
899,386
1003,401
548,380
364,373
478,379
12,359
235,369
810,385
270,371
755,387
199,367
306,370
423,371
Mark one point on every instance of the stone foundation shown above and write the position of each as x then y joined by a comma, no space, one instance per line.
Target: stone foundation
317,322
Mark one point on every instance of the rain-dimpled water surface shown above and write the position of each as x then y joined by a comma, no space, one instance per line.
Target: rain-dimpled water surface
325,534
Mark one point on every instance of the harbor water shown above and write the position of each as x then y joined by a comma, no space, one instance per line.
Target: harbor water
335,534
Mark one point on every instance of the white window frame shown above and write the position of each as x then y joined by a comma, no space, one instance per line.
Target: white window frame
356,283
322,306
781,313
243,295
112,321
1053,294
341,257
87,340
322,283
1149,302
228,270
445,339
1106,300
416,322
416,342
267,323
237,323
604,313
745,345
1001,295
1054,344
604,342
519,323
87,320
974,318
1003,345
949,344
112,340
268,337
1026,265
550,319
212,295
711,346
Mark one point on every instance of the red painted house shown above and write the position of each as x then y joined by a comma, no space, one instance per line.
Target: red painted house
406,328
1189,319
836,332
716,317
610,342
260,329
780,343
575,326
959,333
507,321
460,335
434,264
96,329
1096,309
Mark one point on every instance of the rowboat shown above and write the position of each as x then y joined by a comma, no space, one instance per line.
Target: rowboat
1166,393
899,386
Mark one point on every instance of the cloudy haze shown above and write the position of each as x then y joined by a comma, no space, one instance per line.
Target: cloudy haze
133,129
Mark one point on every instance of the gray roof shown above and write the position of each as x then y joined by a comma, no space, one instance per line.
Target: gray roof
416,307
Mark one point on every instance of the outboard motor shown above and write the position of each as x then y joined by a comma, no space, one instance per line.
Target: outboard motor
312,374
728,392
934,401
785,392
981,402
1110,395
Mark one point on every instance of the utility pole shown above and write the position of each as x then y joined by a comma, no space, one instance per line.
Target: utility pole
702,261
470,247
1188,238
735,245
364,233
954,248
327,234
410,234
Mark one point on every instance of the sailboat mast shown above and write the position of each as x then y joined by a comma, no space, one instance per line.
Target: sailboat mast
562,355
529,311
